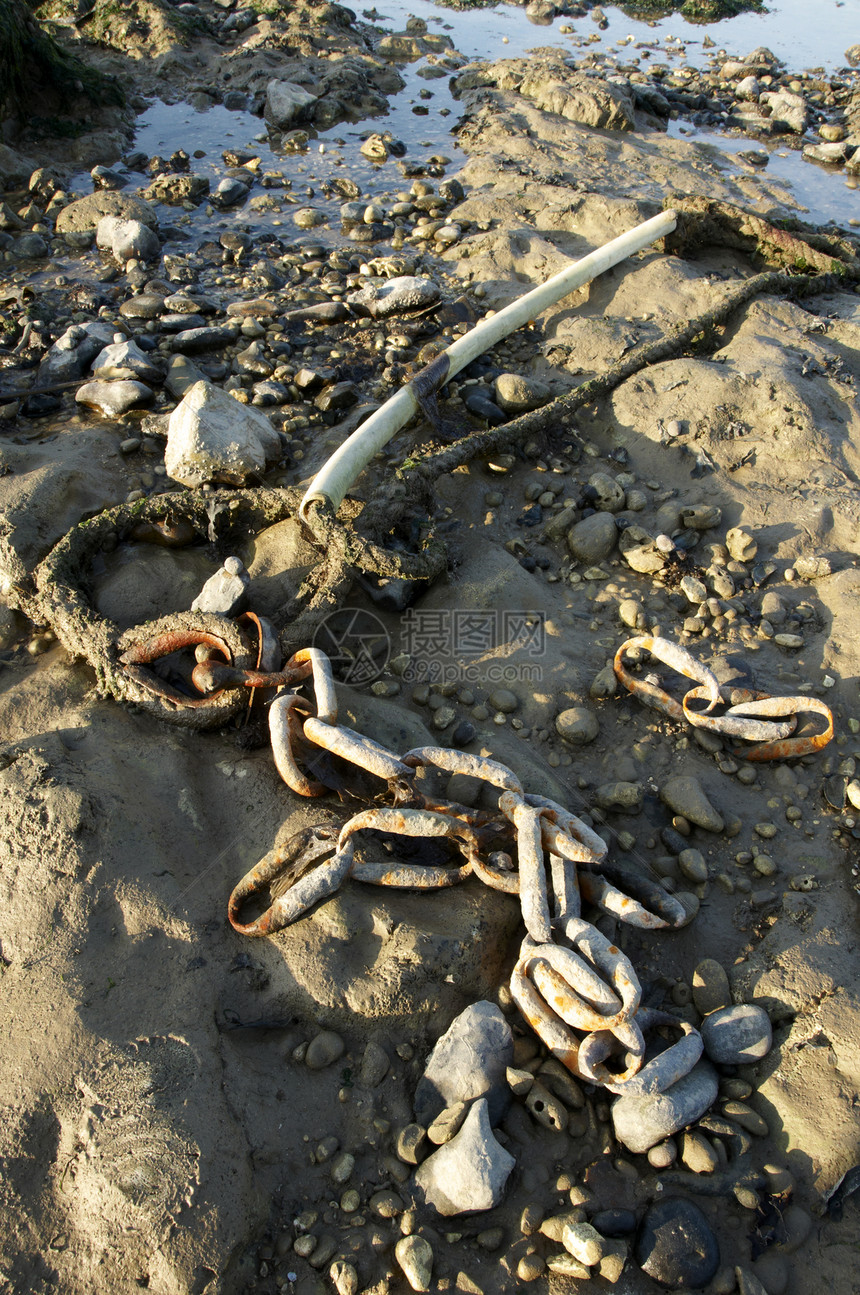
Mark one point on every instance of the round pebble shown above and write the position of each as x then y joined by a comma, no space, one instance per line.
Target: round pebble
675,1244
530,1268
324,1050
663,1155
577,725
735,1036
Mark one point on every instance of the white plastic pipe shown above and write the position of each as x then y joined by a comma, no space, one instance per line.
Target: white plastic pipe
338,473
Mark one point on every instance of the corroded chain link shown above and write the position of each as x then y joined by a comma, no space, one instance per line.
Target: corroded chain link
733,712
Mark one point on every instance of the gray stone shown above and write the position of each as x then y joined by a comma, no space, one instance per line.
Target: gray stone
627,796
504,700
200,338
225,593
607,494
211,437
693,866
127,240
578,725
640,551
230,192
405,292
73,352
685,795
693,590
748,88
374,1065
642,1122
286,103
114,398
593,539
737,1035
468,1061
30,247
174,190
446,1125
516,394
124,359
469,1173
702,517
86,212
181,375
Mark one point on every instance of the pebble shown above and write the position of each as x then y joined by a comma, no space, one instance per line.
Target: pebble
641,1122
503,700
629,611
553,1227
490,1238
564,1265
531,1218
323,1050
737,1035
410,1144
772,1270
584,1242
746,1117
545,1108
415,1257
685,795
593,539
446,1125
614,1222
627,796
344,1277
676,1245
470,1172
697,1153
798,1226
468,1061
515,394
113,399
225,593
741,545
374,1065
693,590
531,1267
386,1205
577,725
663,1155
693,866
711,990
342,1167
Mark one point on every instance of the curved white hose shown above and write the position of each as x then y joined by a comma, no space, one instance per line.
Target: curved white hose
339,472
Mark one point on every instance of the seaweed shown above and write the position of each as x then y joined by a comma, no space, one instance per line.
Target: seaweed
35,68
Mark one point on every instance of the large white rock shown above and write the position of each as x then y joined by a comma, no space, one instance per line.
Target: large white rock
469,1173
127,239
285,103
211,437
